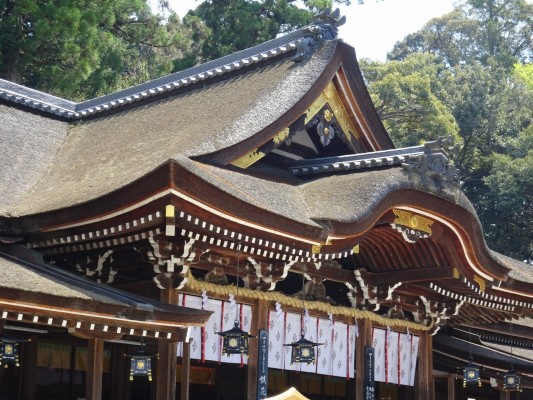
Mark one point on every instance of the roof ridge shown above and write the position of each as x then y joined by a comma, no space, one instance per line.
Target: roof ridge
34,98
301,40
71,110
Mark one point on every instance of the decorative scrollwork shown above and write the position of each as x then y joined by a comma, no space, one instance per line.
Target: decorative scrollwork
103,272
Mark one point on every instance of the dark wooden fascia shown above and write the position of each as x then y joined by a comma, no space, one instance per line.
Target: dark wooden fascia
517,286
353,76
106,313
462,220
503,330
204,192
408,276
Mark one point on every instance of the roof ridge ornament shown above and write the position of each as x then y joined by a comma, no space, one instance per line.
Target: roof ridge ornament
437,160
325,27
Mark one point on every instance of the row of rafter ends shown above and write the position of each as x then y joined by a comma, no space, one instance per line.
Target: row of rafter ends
86,326
493,297
351,165
99,233
509,305
506,340
294,255
273,249
75,114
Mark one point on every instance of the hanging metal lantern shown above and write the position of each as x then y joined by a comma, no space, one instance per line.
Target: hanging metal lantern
471,375
9,350
511,381
303,351
141,363
235,340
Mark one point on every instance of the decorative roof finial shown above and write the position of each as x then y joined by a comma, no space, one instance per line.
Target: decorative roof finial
325,27
330,22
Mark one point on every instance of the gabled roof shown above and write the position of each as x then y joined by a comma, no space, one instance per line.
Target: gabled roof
217,111
53,105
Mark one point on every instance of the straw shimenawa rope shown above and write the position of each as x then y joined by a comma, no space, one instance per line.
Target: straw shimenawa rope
198,287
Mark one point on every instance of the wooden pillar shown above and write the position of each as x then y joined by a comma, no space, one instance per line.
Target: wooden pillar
259,321
451,387
425,384
119,373
95,369
364,339
29,364
504,395
168,357
185,371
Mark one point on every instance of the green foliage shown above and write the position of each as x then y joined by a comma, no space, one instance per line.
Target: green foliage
238,24
484,82
491,108
524,74
507,206
407,96
486,31
80,48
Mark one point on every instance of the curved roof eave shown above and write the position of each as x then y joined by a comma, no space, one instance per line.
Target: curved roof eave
357,203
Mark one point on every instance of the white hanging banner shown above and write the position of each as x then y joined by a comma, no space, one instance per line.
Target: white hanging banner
325,335
196,332
340,349
404,358
378,343
276,339
292,334
311,333
392,358
414,356
180,344
212,342
351,351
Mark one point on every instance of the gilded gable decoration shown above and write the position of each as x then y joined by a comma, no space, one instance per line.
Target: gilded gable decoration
411,226
327,114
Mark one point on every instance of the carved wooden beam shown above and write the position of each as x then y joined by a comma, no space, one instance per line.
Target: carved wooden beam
171,258
99,269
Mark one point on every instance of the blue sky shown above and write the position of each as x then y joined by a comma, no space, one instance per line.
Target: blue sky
374,27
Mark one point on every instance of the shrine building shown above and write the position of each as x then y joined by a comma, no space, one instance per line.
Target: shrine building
258,192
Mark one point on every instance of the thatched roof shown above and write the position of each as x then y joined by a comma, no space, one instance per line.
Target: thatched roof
100,156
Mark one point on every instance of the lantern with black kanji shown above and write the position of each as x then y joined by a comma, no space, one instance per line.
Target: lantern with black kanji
141,363
235,340
303,351
471,375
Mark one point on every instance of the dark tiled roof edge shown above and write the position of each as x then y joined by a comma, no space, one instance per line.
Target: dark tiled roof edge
54,105
25,96
355,161
431,157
